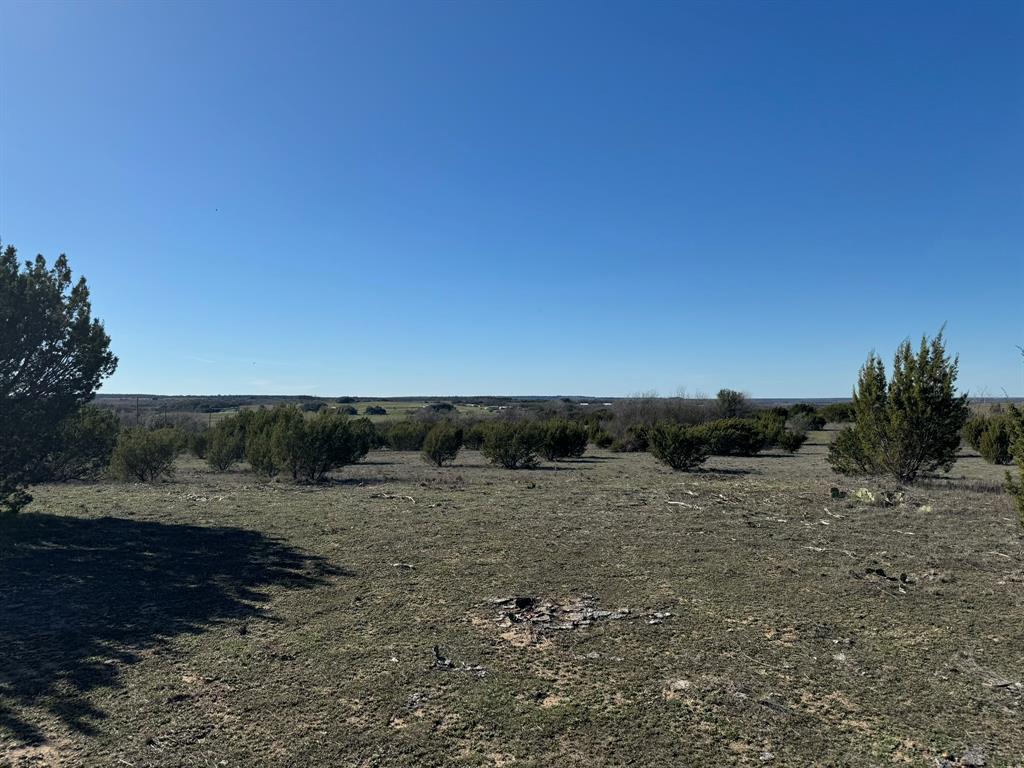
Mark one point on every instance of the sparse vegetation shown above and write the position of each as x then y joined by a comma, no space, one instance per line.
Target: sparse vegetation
909,425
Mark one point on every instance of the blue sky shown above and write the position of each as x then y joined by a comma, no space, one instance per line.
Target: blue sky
526,198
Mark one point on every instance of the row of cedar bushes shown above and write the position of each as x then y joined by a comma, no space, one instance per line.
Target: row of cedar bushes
292,441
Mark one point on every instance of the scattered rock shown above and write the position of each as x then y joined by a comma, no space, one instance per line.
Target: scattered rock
973,757
440,660
880,499
533,613
443,662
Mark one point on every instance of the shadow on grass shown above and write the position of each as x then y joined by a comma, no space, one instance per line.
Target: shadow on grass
79,598
960,483
723,471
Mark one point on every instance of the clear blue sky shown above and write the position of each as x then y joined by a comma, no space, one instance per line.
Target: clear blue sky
474,197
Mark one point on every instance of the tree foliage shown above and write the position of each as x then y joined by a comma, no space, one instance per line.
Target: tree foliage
81,447
991,437
731,404
1015,421
53,356
908,425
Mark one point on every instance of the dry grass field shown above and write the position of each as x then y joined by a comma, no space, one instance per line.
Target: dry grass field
600,612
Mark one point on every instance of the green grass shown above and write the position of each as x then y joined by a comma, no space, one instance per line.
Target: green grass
217,618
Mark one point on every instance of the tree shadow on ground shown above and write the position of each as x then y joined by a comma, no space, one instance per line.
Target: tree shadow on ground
79,598
723,471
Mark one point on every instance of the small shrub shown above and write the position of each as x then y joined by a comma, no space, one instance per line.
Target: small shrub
1015,426
348,410
908,425
224,445
603,439
442,443
311,448
408,435
145,455
679,446
736,437
198,443
994,443
260,429
282,440
512,444
375,410
561,438
770,428
973,429
990,436
792,441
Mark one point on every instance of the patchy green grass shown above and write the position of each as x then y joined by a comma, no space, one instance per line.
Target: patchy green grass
740,615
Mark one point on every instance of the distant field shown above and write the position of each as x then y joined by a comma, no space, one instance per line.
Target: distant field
146,408
399,409
592,613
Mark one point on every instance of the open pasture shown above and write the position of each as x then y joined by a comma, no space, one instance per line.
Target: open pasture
605,611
